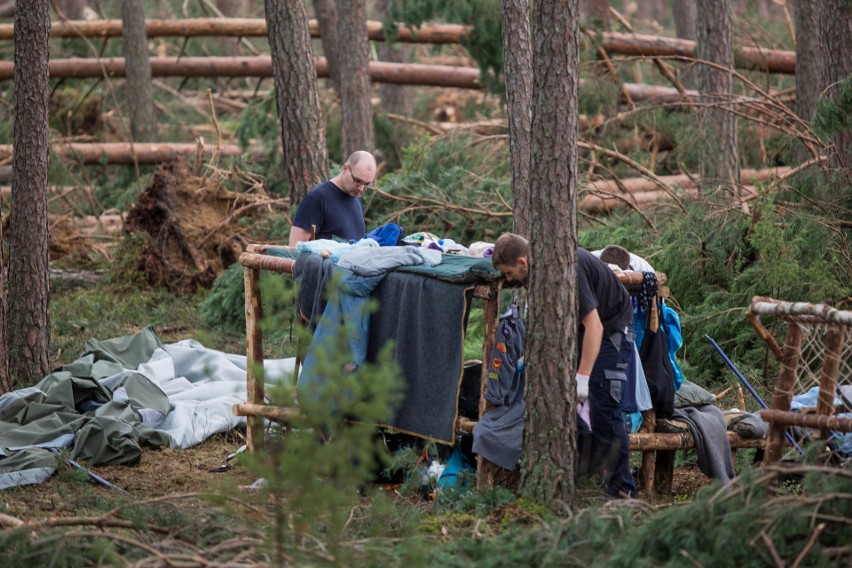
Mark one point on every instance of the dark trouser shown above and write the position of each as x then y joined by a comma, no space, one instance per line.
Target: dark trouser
611,453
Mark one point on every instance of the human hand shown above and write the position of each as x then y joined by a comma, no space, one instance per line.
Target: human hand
582,386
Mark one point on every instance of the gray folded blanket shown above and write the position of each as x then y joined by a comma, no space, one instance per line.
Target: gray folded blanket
707,425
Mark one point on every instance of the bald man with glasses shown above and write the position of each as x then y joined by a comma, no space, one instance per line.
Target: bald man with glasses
334,206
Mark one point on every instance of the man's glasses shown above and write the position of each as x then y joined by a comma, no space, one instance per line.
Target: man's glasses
360,182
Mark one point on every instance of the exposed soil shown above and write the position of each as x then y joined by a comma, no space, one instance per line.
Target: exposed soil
192,228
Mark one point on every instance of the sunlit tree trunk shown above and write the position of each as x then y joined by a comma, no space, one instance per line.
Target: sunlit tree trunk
326,14
517,61
550,422
299,112
140,95
29,292
808,57
720,156
355,109
836,28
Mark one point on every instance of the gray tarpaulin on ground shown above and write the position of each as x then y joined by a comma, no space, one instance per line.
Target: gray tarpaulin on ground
120,395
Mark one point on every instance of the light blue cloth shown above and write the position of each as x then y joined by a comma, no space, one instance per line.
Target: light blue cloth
670,322
336,248
346,310
368,261
841,441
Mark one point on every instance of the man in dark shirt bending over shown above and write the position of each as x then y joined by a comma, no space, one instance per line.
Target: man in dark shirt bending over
606,346
334,206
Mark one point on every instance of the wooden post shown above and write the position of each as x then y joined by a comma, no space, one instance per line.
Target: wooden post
254,357
834,339
776,439
649,425
485,470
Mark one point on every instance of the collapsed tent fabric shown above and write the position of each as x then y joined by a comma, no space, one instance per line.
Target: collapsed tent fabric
121,395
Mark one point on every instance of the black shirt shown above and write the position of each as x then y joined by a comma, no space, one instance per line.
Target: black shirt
599,288
335,213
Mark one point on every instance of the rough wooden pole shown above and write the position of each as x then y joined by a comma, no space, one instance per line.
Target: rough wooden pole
834,340
254,357
485,470
784,391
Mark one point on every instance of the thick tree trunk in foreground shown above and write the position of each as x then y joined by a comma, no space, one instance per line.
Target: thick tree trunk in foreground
355,109
29,291
302,129
720,155
517,61
836,18
550,422
140,93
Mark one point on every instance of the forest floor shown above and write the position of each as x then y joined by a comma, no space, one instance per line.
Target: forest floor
202,469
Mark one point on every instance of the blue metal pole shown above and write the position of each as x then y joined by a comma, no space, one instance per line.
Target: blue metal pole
748,386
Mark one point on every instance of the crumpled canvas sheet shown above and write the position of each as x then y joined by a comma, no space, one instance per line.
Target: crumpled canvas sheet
120,395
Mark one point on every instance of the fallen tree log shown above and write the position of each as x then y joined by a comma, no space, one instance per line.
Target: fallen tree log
238,27
254,66
602,196
261,66
126,153
614,43
770,60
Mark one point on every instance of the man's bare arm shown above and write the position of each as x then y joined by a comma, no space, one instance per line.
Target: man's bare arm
298,235
591,342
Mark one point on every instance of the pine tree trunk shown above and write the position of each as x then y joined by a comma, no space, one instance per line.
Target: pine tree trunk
836,28
550,422
302,129
720,156
395,98
355,109
808,57
29,292
140,94
684,13
517,61
326,14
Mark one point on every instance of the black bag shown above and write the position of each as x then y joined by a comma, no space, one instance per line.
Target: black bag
654,354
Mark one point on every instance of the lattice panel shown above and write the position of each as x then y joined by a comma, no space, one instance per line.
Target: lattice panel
812,356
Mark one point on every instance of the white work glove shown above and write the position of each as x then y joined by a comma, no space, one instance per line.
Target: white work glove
582,386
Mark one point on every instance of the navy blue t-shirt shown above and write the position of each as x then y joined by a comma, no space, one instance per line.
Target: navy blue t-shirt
335,213
599,288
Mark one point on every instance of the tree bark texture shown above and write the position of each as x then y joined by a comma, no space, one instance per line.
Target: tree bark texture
355,109
299,111
326,13
140,93
550,422
395,99
685,13
720,156
836,29
517,61
808,58
29,290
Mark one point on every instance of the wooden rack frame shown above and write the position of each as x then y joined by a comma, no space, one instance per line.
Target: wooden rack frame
802,318
657,448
